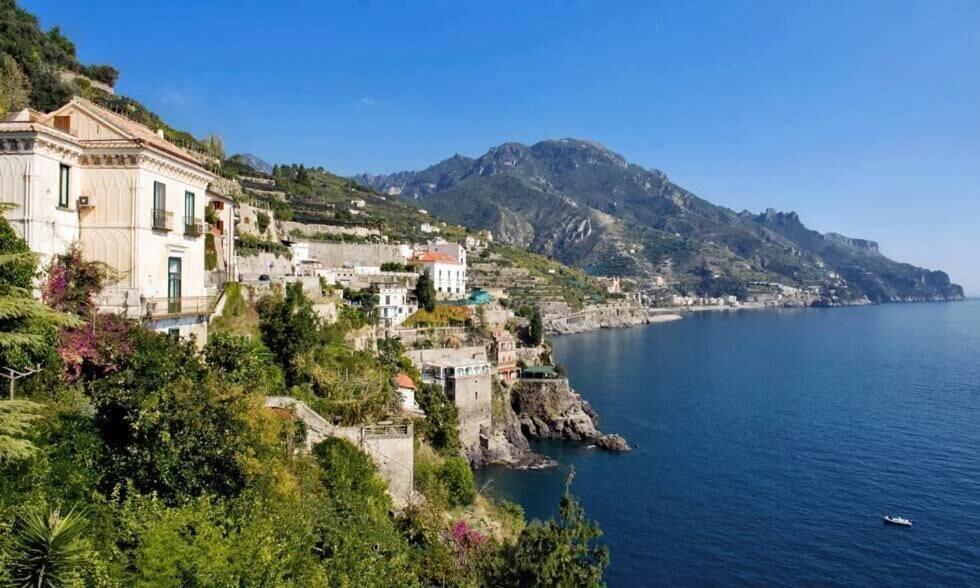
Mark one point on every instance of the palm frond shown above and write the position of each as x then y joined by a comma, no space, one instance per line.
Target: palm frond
48,550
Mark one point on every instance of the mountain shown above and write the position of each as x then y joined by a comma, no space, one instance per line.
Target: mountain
587,206
253,161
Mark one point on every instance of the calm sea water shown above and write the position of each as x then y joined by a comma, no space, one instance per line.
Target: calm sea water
771,442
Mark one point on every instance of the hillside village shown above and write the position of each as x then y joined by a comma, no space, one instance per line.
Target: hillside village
178,227
432,336
221,332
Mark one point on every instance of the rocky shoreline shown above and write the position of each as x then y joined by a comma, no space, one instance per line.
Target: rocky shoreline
541,409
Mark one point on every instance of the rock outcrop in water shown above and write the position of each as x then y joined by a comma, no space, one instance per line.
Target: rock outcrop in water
550,409
504,443
613,443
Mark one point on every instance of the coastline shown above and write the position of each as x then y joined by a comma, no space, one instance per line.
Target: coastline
637,316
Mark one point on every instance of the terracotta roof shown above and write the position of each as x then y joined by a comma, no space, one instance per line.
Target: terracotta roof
403,380
138,131
434,256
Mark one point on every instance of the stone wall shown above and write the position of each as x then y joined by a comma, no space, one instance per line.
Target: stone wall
311,229
390,445
250,267
355,254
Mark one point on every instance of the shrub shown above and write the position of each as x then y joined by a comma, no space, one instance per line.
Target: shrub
441,420
457,478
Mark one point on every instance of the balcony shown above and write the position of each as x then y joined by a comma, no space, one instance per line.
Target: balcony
162,220
193,227
159,308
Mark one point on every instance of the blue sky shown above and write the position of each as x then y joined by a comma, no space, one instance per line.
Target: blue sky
864,117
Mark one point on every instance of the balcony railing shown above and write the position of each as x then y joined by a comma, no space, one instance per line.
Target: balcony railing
157,308
162,220
193,227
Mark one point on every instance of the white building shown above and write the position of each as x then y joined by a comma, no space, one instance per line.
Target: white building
448,275
129,197
393,305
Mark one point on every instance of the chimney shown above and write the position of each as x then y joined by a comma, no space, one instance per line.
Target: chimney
160,133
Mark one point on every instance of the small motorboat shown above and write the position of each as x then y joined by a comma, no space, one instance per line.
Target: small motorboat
897,521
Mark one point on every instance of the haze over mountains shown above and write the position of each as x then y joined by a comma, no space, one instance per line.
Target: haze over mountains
587,206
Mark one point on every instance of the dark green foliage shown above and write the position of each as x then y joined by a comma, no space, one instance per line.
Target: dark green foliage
262,222
20,265
168,426
556,553
536,328
251,245
457,478
243,361
425,292
441,420
210,252
356,535
289,326
394,266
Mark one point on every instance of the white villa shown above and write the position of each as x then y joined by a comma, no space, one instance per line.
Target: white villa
446,264
393,305
129,197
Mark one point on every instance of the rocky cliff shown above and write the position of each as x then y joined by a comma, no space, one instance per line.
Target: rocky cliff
550,409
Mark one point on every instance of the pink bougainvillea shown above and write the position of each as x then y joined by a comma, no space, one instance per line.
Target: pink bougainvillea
98,348
101,345
73,283
466,537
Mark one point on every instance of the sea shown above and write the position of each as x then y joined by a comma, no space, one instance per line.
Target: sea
770,443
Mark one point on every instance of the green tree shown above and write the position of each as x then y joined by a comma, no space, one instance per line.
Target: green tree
556,553
441,420
360,543
303,176
28,327
215,145
15,88
289,326
536,330
48,549
243,361
171,427
425,292
17,417
262,222
457,478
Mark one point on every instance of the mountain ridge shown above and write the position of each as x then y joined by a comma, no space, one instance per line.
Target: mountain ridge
588,206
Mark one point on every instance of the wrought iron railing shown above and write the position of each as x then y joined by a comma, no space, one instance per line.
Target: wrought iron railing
162,220
156,308
193,227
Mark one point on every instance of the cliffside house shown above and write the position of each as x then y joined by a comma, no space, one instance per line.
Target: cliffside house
406,388
128,196
467,382
393,305
448,273
503,351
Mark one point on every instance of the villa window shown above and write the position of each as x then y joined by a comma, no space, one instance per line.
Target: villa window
63,186
173,284
160,205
